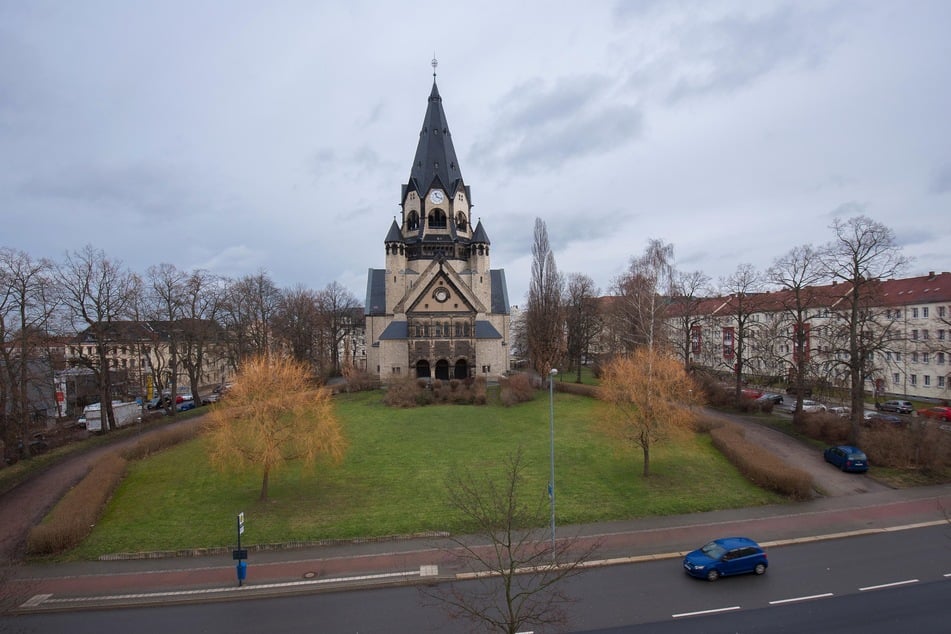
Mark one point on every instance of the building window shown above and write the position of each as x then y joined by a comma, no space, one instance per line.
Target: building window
897,356
914,379
941,381
941,335
941,311
895,378
397,370
927,379
939,358
914,357
924,312
728,343
914,313
924,334
924,357
695,339
914,334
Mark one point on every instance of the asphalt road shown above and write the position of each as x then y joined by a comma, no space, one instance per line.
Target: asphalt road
868,584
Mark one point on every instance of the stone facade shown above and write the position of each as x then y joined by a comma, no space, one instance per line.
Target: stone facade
438,309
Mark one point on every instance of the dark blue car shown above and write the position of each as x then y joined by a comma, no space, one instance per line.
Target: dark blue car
724,557
847,458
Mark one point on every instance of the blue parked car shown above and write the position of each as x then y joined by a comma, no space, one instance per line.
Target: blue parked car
847,458
184,406
726,556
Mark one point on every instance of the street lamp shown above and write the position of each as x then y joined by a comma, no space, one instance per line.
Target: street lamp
551,481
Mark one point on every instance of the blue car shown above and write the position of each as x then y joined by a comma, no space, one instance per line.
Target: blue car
847,458
724,557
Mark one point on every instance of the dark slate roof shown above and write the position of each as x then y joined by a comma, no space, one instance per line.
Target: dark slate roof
479,235
435,161
485,330
395,330
500,292
394,234
375,303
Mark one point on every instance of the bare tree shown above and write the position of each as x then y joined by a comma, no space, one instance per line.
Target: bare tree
582,319
544,324
247,311
165,300
25,310
863,253
797,274
297,324
335,308
741,288
97,292
638,313
685,312
516,580
201,334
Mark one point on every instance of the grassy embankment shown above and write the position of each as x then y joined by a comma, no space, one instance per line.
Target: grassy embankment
392,480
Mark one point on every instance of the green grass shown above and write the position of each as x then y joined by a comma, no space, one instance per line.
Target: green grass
392,480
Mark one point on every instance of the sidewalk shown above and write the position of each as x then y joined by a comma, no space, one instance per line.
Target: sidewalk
179,580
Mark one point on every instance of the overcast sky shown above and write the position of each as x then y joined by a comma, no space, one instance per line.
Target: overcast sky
274,136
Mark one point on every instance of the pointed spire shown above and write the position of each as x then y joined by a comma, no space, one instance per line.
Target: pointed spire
479,235
435,161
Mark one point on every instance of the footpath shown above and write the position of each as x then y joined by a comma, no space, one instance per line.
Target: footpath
99,584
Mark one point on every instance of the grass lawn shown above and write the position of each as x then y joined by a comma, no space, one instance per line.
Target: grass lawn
392,479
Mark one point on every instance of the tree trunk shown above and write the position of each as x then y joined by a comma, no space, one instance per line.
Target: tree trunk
647,459
267,473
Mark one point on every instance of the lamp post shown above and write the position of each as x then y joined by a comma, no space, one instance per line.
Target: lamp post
551,481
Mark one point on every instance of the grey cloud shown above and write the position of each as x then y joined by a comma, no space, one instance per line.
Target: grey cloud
735,51
131,190
849,209
941,183
537,128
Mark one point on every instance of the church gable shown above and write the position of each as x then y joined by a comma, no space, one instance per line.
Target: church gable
440,296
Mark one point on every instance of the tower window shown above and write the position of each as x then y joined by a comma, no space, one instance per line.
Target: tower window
437,219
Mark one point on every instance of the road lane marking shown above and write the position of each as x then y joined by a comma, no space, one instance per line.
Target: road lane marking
716,611
795,599
889,585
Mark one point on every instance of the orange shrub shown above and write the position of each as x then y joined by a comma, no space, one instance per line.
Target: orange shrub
760,467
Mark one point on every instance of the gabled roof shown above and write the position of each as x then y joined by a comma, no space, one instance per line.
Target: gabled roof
435,161
394,235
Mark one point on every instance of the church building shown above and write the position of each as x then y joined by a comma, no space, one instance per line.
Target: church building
438,310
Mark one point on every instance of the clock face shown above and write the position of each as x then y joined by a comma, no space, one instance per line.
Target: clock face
441,294
436,196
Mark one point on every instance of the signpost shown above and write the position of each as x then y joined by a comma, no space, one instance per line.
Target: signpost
241,555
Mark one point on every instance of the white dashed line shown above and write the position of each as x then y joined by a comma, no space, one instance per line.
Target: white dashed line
796,599
889,585
716,611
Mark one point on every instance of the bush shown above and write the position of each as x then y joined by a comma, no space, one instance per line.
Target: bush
577,389
516,388
73,518
157,441
919,446
360,380
829,428
761,468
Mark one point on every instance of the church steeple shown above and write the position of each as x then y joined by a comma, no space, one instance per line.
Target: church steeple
435,163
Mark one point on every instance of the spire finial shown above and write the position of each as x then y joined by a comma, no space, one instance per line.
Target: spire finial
434,63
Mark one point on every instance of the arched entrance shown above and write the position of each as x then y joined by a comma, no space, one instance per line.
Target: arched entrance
422,369
461,369
442,370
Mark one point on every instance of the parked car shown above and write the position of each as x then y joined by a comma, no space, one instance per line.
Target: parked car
812,407
208,399
847,458
902,407
841,411
772,397
938,413
156,403
185,405
878,418
751,392
726,556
